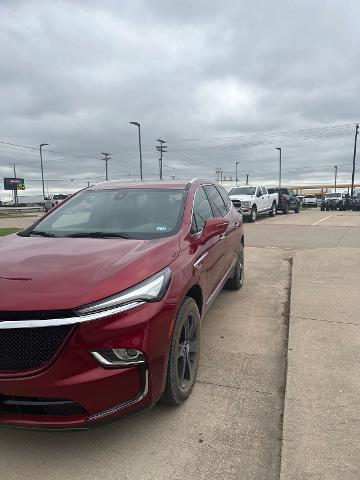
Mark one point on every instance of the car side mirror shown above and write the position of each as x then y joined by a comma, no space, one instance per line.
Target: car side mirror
259,194
212,228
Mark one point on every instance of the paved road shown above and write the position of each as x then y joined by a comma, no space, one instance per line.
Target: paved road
231,426
308,229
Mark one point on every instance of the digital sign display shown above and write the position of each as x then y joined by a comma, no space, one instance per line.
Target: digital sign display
14,184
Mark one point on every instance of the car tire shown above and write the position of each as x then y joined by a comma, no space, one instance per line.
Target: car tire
286,209
327,209
237,280
272,212
184,354
297,210
322,208
253,214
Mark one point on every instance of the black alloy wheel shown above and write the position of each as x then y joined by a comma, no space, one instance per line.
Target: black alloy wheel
184,354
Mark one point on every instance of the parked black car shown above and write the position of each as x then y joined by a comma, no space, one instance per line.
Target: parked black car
287,199
335,201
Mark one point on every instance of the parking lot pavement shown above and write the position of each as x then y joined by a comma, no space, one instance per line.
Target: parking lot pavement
18,222
230,428
321,438
310,228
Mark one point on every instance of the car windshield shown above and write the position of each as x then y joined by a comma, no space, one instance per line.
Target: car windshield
243,191
310,196
127,212
333,195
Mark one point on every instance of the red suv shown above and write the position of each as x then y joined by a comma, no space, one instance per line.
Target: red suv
101,300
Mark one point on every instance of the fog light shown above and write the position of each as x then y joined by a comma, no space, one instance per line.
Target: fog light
119,357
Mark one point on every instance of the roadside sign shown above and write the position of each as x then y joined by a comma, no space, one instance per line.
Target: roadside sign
14,184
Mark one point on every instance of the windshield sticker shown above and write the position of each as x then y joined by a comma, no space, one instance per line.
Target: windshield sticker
161,228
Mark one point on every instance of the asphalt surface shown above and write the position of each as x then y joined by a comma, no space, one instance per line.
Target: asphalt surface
231,427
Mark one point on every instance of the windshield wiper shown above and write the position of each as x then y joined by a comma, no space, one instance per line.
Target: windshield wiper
41,233
97,235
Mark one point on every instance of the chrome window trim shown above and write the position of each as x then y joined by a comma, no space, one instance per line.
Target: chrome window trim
54,322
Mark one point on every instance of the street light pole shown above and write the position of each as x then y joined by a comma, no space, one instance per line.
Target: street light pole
137,124
335,176
42,168
247,179
278,148
236,175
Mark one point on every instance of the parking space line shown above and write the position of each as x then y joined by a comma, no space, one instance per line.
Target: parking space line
317,223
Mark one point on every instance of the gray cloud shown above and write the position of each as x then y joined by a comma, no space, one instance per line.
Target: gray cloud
75,73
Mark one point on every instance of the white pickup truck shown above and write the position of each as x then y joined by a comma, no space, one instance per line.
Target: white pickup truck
252,201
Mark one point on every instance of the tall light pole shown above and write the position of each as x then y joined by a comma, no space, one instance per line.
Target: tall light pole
42,168
278,148
137,124
236,174
354,158
247,179
335,176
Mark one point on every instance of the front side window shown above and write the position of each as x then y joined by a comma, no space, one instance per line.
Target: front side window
129,212
201,210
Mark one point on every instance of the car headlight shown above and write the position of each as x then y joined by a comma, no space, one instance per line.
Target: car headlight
246,204
152,289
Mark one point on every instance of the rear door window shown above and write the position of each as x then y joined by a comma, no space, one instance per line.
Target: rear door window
219,207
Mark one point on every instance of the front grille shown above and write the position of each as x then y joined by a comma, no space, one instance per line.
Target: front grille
29,348
39,406
35,315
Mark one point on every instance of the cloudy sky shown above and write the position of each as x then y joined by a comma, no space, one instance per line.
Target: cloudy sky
221,82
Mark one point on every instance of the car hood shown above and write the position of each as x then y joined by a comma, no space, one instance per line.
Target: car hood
61,273
242,198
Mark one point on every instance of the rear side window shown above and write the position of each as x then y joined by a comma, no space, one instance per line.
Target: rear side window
220,209
225,197
201,210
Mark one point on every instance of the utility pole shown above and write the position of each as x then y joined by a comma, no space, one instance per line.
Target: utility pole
221,176
354,158
236,175
162,149
335,176
278,148
247,179
107,157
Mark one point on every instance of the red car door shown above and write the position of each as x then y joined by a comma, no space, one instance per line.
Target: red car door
210,257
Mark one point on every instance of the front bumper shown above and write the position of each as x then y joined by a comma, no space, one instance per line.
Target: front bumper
75,376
